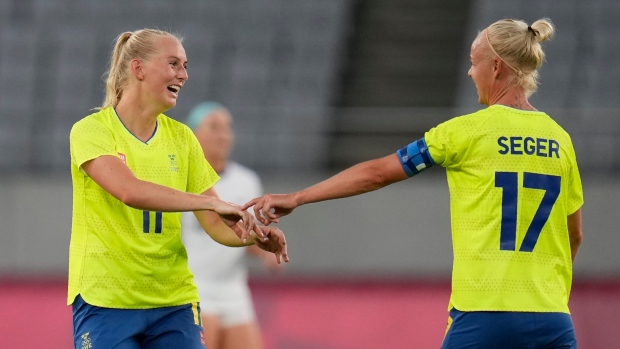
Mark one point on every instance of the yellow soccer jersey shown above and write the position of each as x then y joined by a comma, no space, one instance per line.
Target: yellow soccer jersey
513,181
121,257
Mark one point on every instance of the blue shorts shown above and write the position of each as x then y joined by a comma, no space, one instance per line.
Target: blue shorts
157,328
509,330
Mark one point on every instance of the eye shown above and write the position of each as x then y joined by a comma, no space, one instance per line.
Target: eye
173,64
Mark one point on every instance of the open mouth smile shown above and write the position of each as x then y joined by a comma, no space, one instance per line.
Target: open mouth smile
174,89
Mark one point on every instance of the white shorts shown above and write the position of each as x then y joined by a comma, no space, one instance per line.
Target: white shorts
231,304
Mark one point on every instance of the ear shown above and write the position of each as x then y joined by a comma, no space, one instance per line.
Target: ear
136,68
498,65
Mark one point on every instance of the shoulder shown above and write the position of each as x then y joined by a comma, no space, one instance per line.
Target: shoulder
474,118
175,128
95,122
553,123
461,125
172,124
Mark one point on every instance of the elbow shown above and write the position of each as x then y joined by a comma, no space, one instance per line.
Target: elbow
575,239
375,179
129,198
384,171
131,194
378,178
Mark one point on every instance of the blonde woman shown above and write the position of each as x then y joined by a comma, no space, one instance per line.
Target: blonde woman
515,199
134,170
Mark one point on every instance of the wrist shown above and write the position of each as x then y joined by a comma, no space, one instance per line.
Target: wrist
251,240
298,198
209,203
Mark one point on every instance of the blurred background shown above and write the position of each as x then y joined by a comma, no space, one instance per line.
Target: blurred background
313,86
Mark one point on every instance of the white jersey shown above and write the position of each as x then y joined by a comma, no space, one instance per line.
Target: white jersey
220,271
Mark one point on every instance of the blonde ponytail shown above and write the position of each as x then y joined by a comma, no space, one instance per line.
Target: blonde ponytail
518,45
129,45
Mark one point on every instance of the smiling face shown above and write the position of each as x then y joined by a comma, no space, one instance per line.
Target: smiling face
164,73
481,70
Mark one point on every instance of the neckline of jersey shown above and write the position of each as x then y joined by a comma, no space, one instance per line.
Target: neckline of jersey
131,133
517,110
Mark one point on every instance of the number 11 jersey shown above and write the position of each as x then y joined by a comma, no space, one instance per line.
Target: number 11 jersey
121,257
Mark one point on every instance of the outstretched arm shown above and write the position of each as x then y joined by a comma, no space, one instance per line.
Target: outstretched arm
274,240
110,173
358,179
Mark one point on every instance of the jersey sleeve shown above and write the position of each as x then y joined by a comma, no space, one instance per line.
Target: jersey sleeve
201,176
448,142
575,190
88,140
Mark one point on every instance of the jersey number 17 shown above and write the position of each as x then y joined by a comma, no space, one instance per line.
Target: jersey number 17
509,182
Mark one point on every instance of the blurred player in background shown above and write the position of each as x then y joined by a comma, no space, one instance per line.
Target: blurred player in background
133,171
515,199
220,272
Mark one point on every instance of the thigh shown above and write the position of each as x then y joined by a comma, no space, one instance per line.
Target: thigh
96,327
175,327
245,336
212,331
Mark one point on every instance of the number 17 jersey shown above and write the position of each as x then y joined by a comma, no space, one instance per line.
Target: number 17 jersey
513,181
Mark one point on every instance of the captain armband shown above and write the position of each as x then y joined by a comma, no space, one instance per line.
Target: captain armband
415,157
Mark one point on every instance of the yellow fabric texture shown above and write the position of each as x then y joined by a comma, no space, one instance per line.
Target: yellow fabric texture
121,257
531,153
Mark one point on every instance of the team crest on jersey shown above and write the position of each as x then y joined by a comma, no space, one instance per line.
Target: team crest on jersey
123,158
173,162
86,343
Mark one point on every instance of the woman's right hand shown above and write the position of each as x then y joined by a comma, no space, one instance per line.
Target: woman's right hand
240,221
270,207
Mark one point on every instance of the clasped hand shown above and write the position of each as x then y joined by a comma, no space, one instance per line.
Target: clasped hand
270,239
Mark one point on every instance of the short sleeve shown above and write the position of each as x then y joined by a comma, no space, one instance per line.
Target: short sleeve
575,190
88,140
448,142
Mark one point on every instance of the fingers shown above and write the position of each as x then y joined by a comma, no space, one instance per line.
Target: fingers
241,232
282,249
250,203
275,244
263,209
259,232
258,205
283,255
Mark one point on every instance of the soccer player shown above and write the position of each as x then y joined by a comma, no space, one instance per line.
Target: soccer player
221,272
134,170
515,199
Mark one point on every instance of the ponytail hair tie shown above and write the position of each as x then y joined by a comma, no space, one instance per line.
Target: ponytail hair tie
531,30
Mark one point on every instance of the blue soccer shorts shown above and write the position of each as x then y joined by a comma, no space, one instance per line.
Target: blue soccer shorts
158,328
509,330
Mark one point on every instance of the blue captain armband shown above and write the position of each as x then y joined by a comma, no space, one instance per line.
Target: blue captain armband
415,157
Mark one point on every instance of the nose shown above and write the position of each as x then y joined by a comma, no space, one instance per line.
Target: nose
183,74
469,72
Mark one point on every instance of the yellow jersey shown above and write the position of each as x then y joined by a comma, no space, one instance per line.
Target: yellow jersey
121,257
513,180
